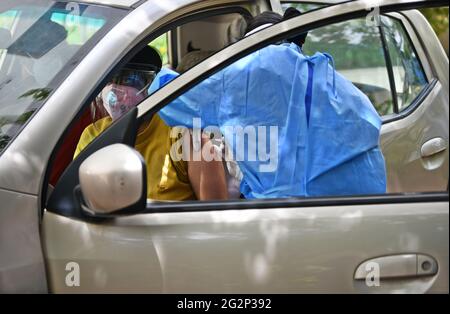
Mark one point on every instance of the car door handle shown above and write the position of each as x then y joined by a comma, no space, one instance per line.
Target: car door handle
398,266
433,147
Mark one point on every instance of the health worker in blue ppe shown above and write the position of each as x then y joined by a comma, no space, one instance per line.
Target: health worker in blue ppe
313,133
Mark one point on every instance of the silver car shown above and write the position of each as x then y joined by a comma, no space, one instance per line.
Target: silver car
59,233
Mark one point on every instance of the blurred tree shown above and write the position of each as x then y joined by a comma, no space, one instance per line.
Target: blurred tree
438,18
4,140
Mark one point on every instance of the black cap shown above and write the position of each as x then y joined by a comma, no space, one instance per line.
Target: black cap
262,19
289,14
147,57
274,18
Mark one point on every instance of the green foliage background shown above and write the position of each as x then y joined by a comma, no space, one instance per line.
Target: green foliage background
438,18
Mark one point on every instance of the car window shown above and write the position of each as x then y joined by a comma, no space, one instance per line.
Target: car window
187,48
181,47
246,102
408,73
358,54
286,124
354,49
79,28
38,40
196,41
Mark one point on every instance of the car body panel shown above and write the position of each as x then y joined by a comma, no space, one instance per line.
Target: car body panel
22,268
292,250
279,250
403,139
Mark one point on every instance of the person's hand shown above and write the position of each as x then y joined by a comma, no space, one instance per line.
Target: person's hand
207,176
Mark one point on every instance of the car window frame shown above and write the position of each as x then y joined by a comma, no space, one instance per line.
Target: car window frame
194,15
397,109
250,44
422,57
156,101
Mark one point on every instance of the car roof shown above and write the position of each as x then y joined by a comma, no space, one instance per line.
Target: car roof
315,1
134,3
124,3
115,3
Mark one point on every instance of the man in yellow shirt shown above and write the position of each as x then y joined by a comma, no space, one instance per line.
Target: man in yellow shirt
167,179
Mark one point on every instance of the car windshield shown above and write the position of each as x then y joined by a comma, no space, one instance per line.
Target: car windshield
40,43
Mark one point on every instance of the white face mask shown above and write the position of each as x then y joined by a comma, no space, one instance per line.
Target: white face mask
119,99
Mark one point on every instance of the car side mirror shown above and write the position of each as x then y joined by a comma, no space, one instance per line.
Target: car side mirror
113,180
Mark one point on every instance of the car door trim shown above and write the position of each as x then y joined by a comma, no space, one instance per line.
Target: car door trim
417,44
200,206
390,69
297,203
423,95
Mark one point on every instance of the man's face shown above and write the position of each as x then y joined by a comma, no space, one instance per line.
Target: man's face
126,90
119,99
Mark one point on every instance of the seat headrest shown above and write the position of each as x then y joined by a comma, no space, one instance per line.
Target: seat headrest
147,56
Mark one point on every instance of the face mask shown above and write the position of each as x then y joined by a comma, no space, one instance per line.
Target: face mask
119,99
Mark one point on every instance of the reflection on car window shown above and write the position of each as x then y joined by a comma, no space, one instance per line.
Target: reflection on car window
358,53
79,28
6,22
303,7
37,41
408,73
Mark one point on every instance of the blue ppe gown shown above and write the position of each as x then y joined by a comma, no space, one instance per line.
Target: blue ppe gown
313,133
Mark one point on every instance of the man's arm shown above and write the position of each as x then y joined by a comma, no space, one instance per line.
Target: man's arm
207,178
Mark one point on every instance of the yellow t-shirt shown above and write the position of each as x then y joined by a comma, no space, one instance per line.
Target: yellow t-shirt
167,180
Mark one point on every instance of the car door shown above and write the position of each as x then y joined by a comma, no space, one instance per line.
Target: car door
25,157
416,162
388,243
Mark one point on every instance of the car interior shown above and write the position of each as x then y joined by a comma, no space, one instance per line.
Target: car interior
200,39
188,44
